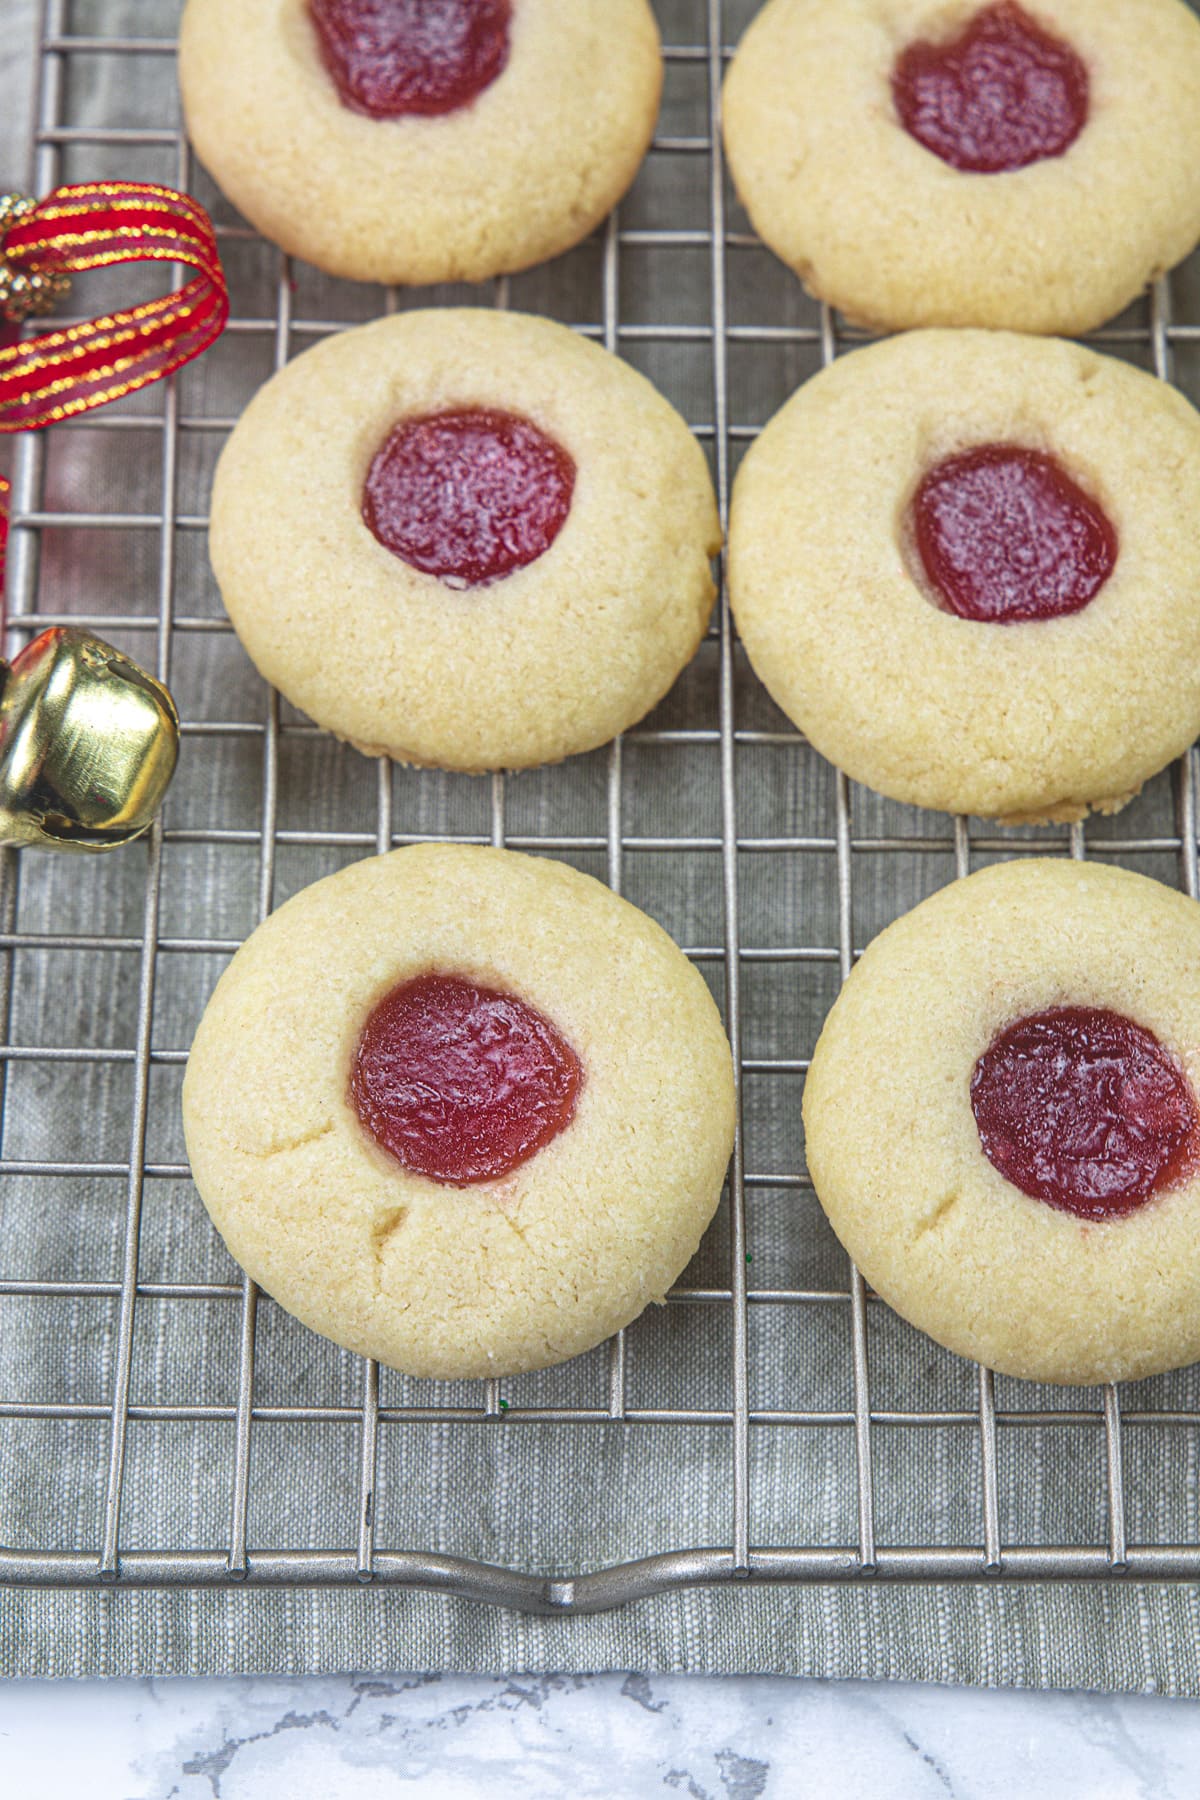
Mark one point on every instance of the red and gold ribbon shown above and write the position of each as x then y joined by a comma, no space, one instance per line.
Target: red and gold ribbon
91,226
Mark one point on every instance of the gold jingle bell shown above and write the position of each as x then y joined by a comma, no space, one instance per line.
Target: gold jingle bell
26,292
88,744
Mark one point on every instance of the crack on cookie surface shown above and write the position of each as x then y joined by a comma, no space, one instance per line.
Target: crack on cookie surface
934,1220
387,1226
384,1231
296,1143
513,1226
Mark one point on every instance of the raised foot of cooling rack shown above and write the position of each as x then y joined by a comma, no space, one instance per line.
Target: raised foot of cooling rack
603,1589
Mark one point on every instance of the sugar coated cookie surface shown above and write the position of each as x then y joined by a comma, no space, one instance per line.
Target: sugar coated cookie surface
420,141
461,1110
919,162
465,538
1002,1125
966,565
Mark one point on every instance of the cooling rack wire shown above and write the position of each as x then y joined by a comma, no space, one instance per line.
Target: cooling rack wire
722,313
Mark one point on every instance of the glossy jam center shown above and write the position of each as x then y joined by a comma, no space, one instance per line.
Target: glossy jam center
1005,534
1002,95
468,496
1085,1110
392,57
462,1083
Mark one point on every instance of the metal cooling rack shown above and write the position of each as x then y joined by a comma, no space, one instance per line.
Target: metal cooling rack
993,1546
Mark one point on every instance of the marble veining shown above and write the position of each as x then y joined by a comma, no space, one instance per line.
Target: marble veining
547,1737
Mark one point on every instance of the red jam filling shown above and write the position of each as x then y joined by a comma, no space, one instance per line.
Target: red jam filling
1001,96
1085,1110
392,57
1005,535
468,496
462,1083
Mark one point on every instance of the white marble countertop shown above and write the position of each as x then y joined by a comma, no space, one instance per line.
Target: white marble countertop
540,1737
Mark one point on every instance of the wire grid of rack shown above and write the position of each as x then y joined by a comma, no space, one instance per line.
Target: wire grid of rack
736,308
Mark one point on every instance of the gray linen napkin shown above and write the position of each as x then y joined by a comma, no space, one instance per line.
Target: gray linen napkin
554,1498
